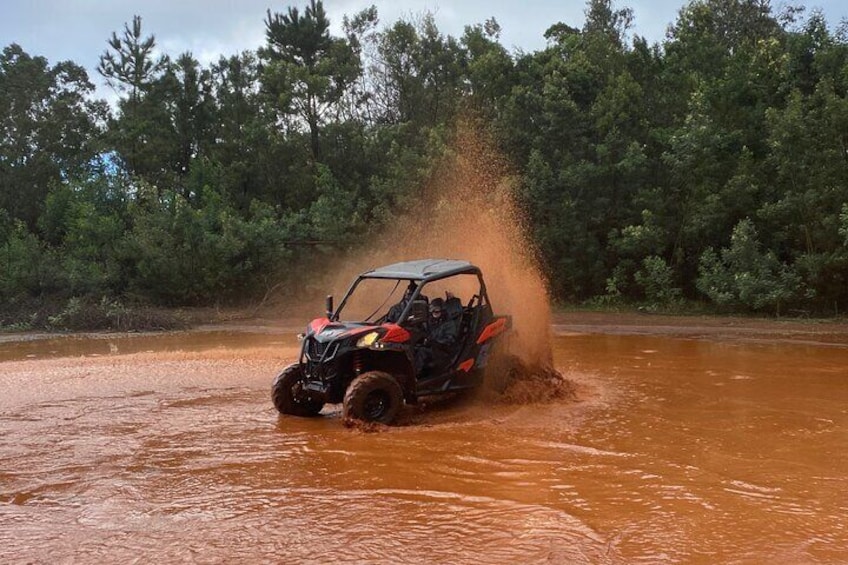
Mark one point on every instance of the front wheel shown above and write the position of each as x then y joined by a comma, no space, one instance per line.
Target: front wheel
373,397
288,396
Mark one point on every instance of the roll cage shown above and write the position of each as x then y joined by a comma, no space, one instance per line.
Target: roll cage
421,272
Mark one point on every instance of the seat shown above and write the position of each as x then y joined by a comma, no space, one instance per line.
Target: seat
454,312
453,308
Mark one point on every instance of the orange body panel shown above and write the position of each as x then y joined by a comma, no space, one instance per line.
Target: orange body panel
495,328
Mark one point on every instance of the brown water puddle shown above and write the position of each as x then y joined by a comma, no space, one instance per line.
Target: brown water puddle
168,449
46,346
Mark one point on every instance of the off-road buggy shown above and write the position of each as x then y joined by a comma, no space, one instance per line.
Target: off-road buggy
372,365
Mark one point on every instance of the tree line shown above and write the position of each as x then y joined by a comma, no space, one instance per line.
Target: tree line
710,168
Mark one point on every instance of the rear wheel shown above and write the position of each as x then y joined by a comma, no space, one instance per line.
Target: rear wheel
373,397
501,371
288,395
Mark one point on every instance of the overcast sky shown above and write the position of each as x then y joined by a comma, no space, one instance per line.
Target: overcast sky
78,29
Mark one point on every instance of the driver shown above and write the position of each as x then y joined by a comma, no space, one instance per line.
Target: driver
396,310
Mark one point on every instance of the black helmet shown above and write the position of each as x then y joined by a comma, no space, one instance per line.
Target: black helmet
437,304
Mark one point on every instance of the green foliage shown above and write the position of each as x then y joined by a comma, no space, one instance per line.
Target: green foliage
641,169
69,315
184,254
84,223
130,64
656,278
307,71
20,260
336,212
843,228
745,276
49,129
489,67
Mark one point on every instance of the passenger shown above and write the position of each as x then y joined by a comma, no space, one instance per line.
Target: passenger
438,347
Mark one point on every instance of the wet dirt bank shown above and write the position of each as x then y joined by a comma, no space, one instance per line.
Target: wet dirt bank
700,444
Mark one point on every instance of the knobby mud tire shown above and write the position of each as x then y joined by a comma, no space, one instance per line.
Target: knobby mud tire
285,392
373,397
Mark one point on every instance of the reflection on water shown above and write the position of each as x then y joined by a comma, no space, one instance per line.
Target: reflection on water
679,451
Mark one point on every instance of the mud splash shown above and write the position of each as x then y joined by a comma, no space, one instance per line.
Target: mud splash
511,382
534,384
468,212
472,215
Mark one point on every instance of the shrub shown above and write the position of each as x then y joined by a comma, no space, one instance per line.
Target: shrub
656,279
743,276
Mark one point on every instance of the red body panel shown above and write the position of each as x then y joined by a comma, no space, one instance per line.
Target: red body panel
318,324
395,334
466,365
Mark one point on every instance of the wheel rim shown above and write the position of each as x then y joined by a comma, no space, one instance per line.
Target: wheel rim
376,404
297,392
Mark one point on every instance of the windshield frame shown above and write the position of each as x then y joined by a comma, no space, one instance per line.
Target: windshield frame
420,283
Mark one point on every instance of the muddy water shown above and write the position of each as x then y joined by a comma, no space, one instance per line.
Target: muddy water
167,449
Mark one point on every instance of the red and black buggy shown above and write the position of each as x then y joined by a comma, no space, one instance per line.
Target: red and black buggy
369,364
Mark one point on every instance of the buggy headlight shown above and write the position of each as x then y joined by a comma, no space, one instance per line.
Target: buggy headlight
368,339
